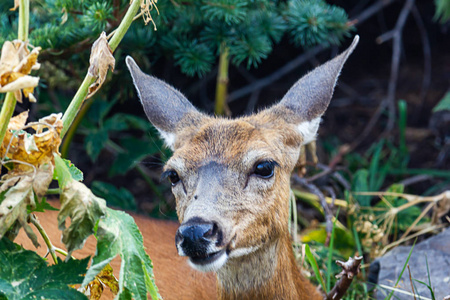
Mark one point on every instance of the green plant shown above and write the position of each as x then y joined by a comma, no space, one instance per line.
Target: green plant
32,161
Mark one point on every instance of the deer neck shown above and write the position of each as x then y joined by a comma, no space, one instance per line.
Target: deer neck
268,273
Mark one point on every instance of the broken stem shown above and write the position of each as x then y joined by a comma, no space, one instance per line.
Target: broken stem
80,96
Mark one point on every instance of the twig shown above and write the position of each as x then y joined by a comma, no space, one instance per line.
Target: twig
44,235
369,12
415,179
326,209
350,268
301,59
426,81
396,35
261,83
410,281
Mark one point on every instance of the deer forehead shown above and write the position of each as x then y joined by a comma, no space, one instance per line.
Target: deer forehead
237,144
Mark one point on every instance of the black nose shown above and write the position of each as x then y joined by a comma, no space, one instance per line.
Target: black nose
195,236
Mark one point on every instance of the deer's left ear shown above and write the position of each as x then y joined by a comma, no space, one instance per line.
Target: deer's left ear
306,101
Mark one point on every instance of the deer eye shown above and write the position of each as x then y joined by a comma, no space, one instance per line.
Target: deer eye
265,169
172,176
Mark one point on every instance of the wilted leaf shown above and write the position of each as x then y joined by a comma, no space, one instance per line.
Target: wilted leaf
16,62
105,277
42,179
84,210
100,61
36,149
117,234
14,207
25,275
16,4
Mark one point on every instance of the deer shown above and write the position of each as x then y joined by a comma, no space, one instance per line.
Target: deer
231,182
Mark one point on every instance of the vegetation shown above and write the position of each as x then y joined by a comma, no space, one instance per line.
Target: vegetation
370,209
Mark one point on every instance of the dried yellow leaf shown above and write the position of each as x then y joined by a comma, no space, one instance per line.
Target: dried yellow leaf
16,62
16,5
95,289
30,151
100,61
107,277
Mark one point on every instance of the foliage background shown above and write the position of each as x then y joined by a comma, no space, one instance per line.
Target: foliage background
121,155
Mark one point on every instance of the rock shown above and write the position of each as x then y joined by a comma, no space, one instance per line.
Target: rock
435,249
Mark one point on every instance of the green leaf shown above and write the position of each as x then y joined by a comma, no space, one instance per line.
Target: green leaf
444,104
312,262
25,275
65,171
84,210
361,184
117,234
136,151
62,172
403,270
95,141
42,205
74,171
121,121
116,197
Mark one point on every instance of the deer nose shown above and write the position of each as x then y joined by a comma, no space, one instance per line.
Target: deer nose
195,237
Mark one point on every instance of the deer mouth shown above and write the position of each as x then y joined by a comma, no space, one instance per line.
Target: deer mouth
210,262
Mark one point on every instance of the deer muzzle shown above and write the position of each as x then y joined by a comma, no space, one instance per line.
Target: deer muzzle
201,242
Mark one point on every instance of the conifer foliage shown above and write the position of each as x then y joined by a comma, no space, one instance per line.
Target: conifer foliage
191,32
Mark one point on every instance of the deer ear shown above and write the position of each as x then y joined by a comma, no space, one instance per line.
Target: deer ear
308,98
165,107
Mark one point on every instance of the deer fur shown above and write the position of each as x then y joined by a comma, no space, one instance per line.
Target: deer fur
234,218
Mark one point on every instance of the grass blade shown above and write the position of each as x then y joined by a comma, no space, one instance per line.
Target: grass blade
403,270
312,261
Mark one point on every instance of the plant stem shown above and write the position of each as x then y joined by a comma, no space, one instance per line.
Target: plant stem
222,82
5,115
44,235
24,17
124,25
80,96
72,129
10,101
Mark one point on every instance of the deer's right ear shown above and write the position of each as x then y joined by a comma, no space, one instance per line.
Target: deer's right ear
165,107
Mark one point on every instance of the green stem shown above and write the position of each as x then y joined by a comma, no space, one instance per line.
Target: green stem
44,235
124,25
222,82
55,191
24,17
5,115
10,101
73,129
82,92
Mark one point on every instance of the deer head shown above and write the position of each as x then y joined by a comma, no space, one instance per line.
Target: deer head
231,178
